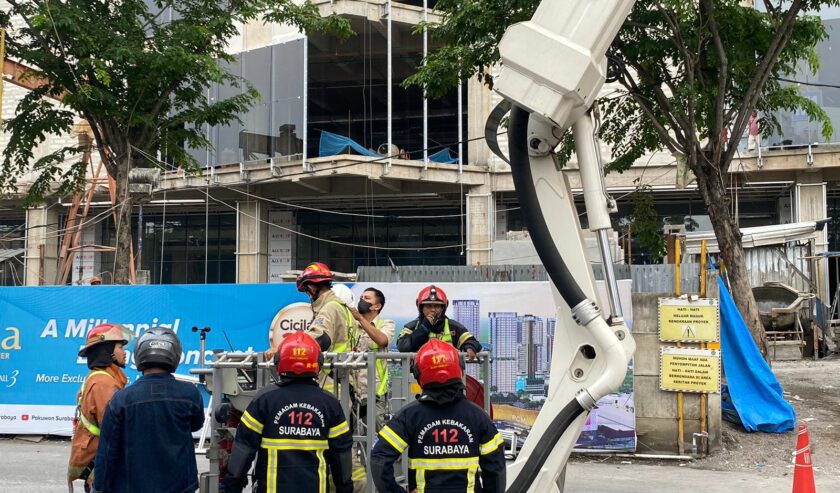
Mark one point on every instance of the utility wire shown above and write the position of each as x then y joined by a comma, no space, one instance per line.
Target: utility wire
326,240
805,83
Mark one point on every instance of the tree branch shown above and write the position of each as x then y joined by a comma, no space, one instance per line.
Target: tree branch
783,34
633,90
720,99
667,110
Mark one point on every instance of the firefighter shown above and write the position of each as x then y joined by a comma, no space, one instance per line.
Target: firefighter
294,428
448,439
147,442
332,325
106,358
432,323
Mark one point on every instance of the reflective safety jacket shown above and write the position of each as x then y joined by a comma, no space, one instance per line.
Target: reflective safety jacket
92,400
418,332
448,444
333,319
358,378
296,430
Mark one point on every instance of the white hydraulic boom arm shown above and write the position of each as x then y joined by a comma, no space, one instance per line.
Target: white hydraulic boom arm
553,68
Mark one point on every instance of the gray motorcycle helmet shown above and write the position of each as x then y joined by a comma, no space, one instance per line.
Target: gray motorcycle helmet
158,347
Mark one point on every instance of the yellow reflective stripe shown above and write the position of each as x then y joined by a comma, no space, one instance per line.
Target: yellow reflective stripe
322,472
293,444
466,335
393,438
92,428
339,430
492,445
251,422
271,472
446,463
446,336
384,375
420,479
359,473
351,333
406,331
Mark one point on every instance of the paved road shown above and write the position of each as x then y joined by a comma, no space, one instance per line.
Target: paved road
40,467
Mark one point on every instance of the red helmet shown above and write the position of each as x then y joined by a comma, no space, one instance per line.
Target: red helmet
299,354
432,295
314,273
438,362
106,333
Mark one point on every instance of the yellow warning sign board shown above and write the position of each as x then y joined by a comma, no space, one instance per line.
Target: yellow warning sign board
684,320
690,370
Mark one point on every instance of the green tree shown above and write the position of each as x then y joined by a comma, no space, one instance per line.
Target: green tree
645,224
138,71
687,71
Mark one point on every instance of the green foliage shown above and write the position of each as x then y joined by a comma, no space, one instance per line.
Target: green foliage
688,69
137,71
645,224
470,32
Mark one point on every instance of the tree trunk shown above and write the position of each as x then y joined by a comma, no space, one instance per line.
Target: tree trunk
122,216
728,235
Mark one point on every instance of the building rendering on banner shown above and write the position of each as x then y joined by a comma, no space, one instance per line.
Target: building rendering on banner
468,312
520,353
339,161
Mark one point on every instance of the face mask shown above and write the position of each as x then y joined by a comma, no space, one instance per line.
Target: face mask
364,306
313,293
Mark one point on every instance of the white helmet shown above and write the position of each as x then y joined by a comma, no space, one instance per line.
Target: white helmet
344,295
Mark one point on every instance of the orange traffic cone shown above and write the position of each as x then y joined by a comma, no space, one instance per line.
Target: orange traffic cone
803,470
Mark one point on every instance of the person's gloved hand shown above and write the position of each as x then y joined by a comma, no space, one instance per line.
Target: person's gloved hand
424,327
235,485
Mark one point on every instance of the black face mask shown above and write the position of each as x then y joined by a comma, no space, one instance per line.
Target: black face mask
364,306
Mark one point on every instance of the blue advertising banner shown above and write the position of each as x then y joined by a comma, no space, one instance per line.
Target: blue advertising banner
43,328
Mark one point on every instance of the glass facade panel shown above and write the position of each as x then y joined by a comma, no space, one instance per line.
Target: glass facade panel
273,125
390,232
184,249
12,232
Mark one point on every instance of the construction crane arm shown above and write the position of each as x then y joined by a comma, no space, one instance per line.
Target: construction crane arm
553,68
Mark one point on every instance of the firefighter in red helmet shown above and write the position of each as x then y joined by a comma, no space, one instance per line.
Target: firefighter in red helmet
452,444
332,323
295,430
106,358
432,323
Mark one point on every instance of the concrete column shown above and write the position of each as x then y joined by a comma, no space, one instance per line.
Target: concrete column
481,221
479,106
252,242
810,205
42,240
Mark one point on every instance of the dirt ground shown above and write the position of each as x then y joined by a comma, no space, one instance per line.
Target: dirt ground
813,388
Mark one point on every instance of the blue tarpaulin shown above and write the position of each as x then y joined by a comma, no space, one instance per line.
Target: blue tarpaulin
754,392
445,156
333,144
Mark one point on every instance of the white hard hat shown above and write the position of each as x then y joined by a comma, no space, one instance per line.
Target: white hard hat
344,294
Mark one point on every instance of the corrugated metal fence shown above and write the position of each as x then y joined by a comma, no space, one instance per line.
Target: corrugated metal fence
646,278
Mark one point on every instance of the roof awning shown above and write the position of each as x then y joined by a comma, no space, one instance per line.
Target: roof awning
777,234
9,253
